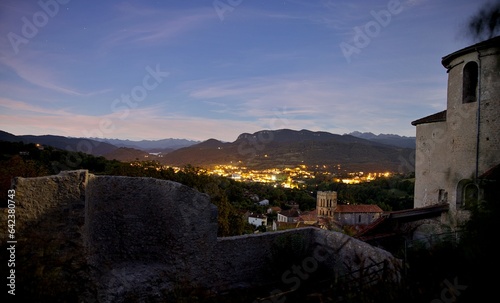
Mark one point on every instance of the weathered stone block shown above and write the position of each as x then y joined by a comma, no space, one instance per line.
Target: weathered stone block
124,239
146,220
61,194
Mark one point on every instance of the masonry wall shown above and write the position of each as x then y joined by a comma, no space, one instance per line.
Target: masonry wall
50,218
115,239
140,219
356,218
489,134
465,131
62,196
462,131
262,259
431,163
447,151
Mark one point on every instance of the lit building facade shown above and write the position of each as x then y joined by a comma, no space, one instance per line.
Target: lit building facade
326,203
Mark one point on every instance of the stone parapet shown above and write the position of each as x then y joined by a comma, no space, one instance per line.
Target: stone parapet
116,239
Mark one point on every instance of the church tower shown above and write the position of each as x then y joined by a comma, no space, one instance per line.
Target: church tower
458,149
326,203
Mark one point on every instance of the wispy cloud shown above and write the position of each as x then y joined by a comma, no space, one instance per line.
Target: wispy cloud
20,108
42,75
38,75
140,26
318,100
266,66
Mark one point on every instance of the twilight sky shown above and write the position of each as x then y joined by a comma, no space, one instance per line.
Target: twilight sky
199,69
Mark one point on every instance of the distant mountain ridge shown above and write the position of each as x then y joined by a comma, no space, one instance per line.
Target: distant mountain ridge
389,139
286,147
123,150
260,150
150,145
85,145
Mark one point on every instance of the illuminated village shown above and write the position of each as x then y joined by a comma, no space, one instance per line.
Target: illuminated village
286,177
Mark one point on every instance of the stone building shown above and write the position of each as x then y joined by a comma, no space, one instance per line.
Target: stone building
326,202
357,214
456,147
327,208
289,216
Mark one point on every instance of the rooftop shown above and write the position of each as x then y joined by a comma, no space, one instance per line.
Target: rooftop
437,117
493,42
367,208
492,174
383,226
309,216
290,213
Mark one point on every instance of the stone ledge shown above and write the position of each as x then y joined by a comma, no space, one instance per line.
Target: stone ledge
136,237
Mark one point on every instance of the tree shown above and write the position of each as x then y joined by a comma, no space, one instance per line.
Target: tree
485,24
16,166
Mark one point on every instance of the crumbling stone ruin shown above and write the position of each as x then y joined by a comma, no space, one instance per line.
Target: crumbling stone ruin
96,238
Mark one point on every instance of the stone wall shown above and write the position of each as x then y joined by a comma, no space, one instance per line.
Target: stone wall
50,217
119,239
431,167
140,219
62,196
447,152
286,258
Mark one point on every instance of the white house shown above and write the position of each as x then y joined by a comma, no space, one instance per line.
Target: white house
290,216
257,219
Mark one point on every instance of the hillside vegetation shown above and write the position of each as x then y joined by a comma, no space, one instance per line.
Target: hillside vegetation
455,270
27,160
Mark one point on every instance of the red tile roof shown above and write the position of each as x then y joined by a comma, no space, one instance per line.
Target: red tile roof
309,216
364,208
275,208
290,213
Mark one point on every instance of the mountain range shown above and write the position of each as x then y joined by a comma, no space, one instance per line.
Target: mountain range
263,149
289,148
153,146
88,146
389,139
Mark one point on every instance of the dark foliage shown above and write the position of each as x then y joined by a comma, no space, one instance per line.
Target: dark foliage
485,24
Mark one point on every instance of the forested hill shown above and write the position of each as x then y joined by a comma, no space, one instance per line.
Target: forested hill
259,150
289,148
231,197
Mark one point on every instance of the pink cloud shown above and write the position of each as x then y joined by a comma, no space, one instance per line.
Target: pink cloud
20,106
139,124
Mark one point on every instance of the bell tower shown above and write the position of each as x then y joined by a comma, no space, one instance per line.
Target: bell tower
326,203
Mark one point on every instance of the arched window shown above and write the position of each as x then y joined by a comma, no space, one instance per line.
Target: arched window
467,193
471,194
469,88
